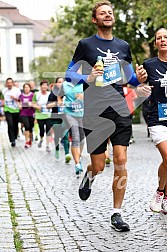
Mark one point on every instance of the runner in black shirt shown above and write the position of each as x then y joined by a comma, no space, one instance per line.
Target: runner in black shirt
106,114
56,122
157,119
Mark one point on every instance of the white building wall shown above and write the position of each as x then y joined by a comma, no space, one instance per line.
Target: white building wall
5,26
9,50
4,50
25,50
42,50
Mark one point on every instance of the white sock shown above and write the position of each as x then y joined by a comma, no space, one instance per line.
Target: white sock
89,175
116,210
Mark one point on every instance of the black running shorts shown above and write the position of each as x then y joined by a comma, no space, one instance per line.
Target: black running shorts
99,129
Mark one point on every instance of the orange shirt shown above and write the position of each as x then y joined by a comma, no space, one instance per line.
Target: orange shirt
130,96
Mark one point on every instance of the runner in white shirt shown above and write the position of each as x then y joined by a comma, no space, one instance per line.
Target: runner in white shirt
11,95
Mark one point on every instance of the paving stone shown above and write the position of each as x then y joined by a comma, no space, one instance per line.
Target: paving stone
45,194
7,245
32,250
30,243
7,249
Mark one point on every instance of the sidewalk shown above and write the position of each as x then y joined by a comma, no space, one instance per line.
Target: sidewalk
40,209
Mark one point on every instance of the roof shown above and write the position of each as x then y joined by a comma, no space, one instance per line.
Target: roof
39,26
5,5
12,13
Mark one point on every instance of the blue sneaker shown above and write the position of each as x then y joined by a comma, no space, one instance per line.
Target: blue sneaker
78,168
80,161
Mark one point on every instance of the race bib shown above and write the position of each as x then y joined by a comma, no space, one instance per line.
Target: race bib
112,74
9,103
76,106
25,102
162,111
61,110
44,110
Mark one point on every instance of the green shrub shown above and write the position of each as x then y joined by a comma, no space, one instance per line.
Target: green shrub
136,116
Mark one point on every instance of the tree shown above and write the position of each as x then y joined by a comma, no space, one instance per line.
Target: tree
136,22
148,16
56,64
39,66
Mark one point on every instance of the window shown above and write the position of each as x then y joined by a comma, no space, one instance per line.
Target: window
0,66
18,38
19,64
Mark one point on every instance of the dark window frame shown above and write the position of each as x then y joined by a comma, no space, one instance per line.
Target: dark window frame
18,39
19,65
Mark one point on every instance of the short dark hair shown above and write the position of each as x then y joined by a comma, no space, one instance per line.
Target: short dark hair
97,5
44,81
9,79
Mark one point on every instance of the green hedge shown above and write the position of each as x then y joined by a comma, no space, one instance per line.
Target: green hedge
136,116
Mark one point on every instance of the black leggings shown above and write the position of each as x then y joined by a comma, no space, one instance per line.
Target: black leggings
28,122
12,122
42,123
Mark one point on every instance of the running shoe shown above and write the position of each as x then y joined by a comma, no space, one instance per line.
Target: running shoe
47,149
118,224
164,205
67,158
27,145
131,140
13,144
85,187
80,161
156,202
107,161
78,168
40,143
57,154
30,143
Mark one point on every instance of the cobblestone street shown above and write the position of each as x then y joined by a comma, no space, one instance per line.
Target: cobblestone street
40,207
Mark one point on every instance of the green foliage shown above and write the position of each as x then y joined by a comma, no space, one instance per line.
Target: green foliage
136,22
136,116
39,66
56,64
18,242
64,49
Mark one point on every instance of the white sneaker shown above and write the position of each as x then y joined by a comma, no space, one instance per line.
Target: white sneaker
57,155
47,149
164,205
156,202
131,140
